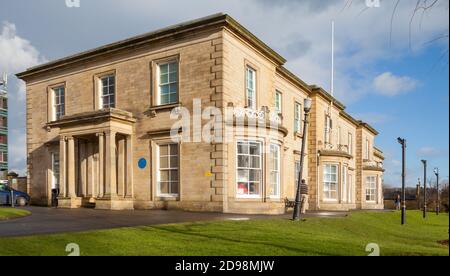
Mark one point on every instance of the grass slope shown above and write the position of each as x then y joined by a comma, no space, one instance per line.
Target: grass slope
316,236
10,213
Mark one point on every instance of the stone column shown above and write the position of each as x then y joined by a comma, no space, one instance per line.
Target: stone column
83,181
71,167
110,167
101,164
62,167
121,168
90,170
129,192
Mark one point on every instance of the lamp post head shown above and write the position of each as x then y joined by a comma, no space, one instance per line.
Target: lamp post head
307,104
436,171
401,141
424,162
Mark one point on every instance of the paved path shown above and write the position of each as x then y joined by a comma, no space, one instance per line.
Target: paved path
50,221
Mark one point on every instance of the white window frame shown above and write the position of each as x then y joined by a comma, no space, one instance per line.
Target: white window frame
109,94
55,175
297,117
327,197
278,102
170,168
276,171
261,169
169,82
250,88
56,105
371,191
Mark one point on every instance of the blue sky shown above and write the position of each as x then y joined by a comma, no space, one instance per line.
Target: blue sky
399,85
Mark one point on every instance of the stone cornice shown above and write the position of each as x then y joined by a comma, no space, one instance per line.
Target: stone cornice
372,168
214,21
335,153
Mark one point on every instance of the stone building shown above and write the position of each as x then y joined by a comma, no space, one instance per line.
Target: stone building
100,126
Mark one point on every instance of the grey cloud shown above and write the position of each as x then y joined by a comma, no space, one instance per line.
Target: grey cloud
297,47
312,5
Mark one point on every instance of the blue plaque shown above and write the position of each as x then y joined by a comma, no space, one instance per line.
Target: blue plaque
142,164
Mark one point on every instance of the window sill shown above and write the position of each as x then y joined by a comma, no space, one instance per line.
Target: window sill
241,197
152,111
168,197
330,201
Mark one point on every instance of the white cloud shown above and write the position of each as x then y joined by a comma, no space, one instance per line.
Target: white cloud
429,151
16,54
374,118
388,84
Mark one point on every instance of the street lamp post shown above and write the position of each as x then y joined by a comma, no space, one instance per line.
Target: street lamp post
307,105
403,143
424,188
438,206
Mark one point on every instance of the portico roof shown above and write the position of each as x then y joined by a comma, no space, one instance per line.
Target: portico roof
96,121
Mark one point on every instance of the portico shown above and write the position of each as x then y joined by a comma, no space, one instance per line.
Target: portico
96,156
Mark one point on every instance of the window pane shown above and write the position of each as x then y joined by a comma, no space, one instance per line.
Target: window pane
254,149
254,189
173,98
164,187
173,77
255,175
243,161
164,162
164,89
174,149
164,69
164,78
242,188
173,67
164,150
165,99
243,175
174,175
164,176
174,162
173,88
255,162
174,188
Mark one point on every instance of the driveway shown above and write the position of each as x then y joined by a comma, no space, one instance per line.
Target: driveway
50,221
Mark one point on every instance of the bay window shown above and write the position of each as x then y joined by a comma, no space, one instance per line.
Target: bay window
249,168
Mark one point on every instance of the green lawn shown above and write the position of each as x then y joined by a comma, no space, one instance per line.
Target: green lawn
10,213
317,236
